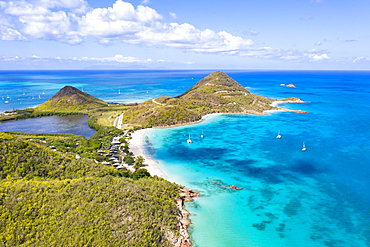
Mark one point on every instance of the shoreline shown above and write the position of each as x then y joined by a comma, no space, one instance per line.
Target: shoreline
136,145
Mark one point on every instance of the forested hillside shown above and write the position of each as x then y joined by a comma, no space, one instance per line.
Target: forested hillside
49,198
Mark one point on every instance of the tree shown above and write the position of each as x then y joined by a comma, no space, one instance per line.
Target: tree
139,160
140,173
128,159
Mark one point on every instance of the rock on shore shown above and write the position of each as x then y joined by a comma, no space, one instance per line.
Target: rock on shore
184,222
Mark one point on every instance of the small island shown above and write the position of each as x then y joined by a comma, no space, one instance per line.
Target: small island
61,188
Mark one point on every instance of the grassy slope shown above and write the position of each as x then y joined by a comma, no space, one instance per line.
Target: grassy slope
49,199
70,99
216,93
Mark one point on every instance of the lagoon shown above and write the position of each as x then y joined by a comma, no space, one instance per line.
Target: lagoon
72,124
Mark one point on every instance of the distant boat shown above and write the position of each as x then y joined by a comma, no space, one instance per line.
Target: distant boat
278,136
189,140
6,102
304,148
119,91
202,135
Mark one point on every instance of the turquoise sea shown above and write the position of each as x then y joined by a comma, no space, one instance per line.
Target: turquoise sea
319,197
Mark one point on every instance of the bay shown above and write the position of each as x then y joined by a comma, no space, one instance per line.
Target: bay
319,197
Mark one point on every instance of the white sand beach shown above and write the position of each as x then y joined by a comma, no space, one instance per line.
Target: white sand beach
137,147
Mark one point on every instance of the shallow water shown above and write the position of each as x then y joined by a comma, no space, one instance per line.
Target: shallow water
289,198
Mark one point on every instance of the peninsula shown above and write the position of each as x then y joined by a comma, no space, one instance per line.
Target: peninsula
216,93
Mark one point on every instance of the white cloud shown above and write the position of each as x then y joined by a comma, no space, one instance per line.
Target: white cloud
145,2
317,57
73,21
119,22
22,8
173,15
37,20
75,6
318,43
118,58
7,33
360,59
252,32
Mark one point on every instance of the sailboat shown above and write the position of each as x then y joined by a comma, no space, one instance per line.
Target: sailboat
304,148
119,91
202,135
278,136
189,140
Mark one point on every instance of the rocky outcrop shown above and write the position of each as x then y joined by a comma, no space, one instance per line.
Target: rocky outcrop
287,85
184,221
290,85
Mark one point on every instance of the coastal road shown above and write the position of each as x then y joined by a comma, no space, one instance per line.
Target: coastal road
118,121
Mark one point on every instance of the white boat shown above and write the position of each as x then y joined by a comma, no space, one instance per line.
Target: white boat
189,140
119,91
304,148
278,136
202,135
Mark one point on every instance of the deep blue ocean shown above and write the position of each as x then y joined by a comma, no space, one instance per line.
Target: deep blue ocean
319,197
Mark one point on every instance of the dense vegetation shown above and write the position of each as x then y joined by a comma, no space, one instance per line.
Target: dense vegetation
216,93
50,198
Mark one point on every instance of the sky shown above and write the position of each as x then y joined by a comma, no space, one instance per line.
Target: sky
185,34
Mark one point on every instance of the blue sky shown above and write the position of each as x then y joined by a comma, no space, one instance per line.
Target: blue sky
179,34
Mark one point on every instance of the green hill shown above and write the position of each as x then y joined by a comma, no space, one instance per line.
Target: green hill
52,199
70,99
216,93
